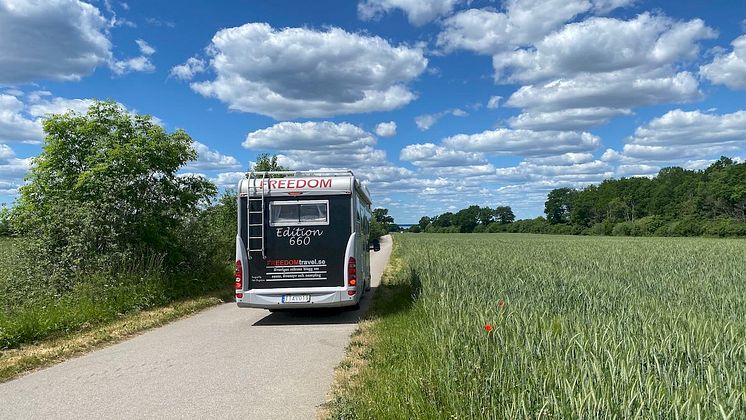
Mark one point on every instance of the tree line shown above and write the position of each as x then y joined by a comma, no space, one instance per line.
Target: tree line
675,202
471,219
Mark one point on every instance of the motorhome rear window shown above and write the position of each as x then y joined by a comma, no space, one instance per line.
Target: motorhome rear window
293,213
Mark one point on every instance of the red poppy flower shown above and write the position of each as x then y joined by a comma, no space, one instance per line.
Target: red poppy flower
488,328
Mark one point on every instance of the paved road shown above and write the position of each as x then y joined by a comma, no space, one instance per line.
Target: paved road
222,363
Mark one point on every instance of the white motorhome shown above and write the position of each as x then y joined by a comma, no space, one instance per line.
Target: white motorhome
302,240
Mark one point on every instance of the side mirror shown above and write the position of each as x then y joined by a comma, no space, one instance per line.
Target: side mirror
374,245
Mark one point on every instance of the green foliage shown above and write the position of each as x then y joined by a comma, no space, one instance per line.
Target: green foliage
582,327
110,226
377,229
5,229
504,215
680,198
385,222
30,312
467,219
443,220
265,162
486,215
471,219
559,205
106,183
677,202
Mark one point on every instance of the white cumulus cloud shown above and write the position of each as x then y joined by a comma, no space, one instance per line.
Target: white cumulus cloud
302,72
503,141
51,40
603,45
140,63
487,31
12,170
728,69
189,69
426,121
210,159
386,129
623,89
419,12
314,145
566,119
431,155
688,134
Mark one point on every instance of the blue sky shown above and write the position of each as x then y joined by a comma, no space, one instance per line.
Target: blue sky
482,102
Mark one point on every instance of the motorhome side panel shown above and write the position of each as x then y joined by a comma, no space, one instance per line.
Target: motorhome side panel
305,240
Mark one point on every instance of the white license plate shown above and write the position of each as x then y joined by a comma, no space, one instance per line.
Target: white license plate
296,298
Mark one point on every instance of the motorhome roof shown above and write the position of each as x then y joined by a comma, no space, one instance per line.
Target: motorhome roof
297,183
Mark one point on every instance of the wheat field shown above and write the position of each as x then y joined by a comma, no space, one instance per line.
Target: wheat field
540,326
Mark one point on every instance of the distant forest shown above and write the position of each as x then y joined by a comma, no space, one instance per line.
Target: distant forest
676,202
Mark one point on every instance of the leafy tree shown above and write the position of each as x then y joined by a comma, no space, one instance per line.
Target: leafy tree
424,222
108,182
486,215
443,220
504,214
558,205
265,162
676,202
467,218
377,229
381,215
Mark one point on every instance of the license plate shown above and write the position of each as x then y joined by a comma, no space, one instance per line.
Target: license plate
296,298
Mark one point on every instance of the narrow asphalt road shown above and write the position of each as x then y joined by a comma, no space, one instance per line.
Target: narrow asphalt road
225,362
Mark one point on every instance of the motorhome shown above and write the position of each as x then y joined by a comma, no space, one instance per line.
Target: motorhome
302,240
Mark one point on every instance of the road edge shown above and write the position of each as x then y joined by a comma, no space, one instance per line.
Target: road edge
361,340
29,358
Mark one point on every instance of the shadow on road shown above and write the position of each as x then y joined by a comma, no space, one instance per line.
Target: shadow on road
319,316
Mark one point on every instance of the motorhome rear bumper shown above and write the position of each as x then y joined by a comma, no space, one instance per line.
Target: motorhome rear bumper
322,297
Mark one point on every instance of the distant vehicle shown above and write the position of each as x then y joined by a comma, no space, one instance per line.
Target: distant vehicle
302,240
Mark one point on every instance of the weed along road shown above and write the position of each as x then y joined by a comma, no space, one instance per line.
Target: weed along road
225,362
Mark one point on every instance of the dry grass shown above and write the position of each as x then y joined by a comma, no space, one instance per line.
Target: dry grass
15,362
362,341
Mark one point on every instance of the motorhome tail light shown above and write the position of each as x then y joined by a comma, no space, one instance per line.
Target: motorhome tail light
239,276
352,271
351,292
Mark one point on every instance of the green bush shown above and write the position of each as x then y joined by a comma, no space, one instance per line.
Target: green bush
113,192
623,229
604,228
110,226
131,285
684,227
377,229
724,228
497,227
5,222
647,226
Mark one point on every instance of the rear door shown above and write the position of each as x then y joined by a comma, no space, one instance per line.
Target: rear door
305,241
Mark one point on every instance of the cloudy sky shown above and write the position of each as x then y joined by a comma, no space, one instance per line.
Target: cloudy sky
438,104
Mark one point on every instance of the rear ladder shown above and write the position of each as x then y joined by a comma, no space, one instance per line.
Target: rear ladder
257,209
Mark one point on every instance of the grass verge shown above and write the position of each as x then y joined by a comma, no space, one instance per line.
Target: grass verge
392,297
15,362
